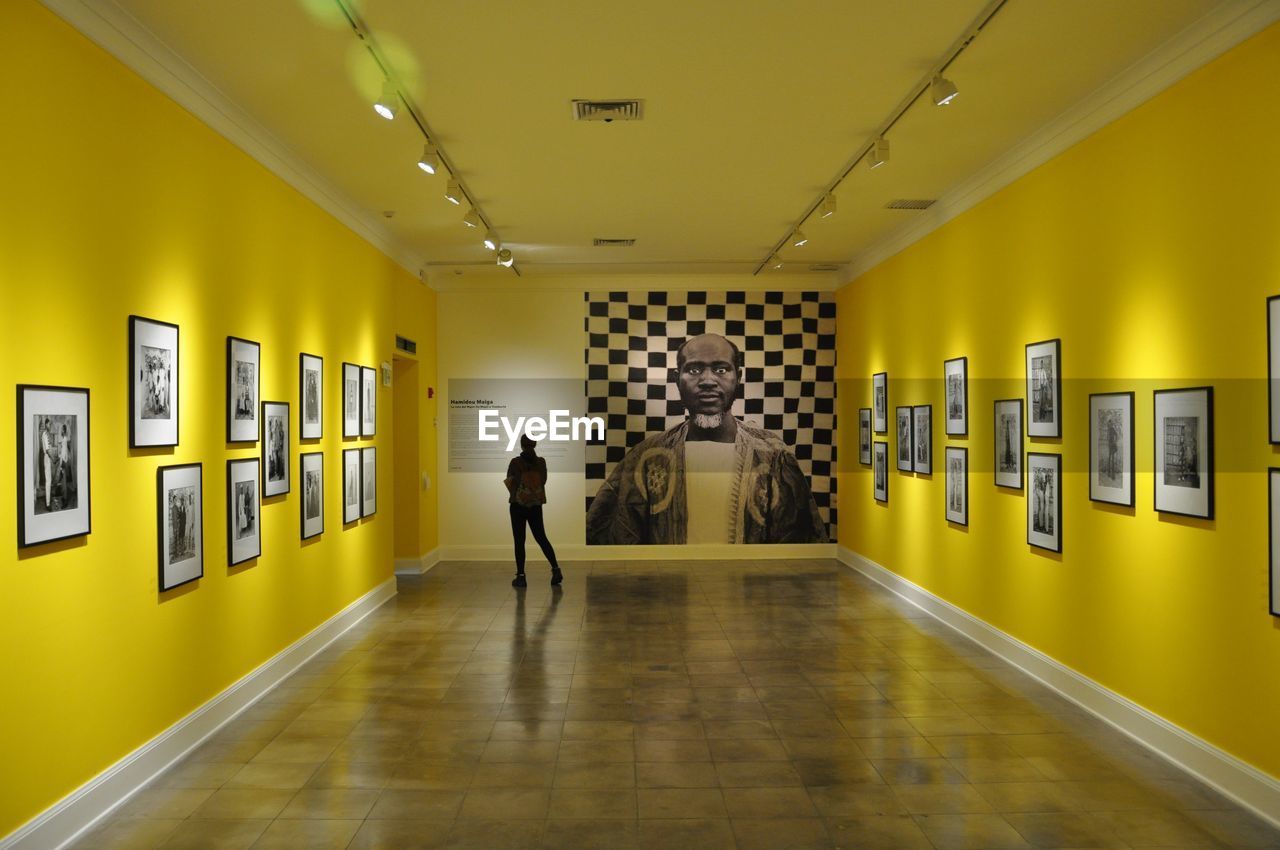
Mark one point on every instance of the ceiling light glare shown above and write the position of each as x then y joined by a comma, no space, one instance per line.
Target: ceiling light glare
505,258
943,91
472,218
828,207
879,153
491,241
430,161
775,262
453,193
389,102
799,239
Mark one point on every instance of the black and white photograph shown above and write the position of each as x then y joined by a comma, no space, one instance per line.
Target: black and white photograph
1044,500
957,469
922,439
864,435
350,485
350,400
1044,388
1008,456
243,373
153,383
369,481
368,401
1273,511
53,475
1111,441
880,470
880,401
1273,367
311,471
180,524
311,396
904,439
244,509
1184,452
275,448
955,375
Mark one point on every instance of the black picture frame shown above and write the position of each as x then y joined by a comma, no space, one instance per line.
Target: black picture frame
1273,369
880,418
955,427
1005,406
308,463
919,413
36,528
168,577
1165,501
144,431
1096,489
351,496
1055,459
880,470
248,552
368,484
903,412
864,436
368,401
1273,544
240,430
1035,401
960,517
270,410
308,363
350,395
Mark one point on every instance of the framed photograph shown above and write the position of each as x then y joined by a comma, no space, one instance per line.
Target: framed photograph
311,396
243,359
1273,367
153,383
1184,452
904,439
350,485
311,469
369,481
880,470
350,400
1044,500
864,435
922,438
955,376
880,402
1044,388
180,524
1009,443
244,510
1273,504
368,401
956,460
53,463
1111,448
275,448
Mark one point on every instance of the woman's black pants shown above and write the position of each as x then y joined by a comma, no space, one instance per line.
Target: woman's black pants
533,516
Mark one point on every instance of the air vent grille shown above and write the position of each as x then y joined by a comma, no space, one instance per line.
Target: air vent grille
408,346
824,267
608,110
613,243
910,204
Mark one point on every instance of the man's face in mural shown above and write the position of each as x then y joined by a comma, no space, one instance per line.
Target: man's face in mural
708,378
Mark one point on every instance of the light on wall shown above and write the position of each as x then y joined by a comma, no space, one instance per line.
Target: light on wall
505,258
491,241
472,218
453,192
389,102
943,91
879,153
430,161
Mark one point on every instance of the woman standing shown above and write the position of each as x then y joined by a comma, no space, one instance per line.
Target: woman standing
526,482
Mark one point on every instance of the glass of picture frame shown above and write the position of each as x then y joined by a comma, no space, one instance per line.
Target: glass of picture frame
1044,500
275,448
1044,388
922,439
956,465
368,481
243,371
368,401
350,400
1111,442
1184,452
955,377
180,524
53,469
310,397
311,474
880,402
1009,448
880,470
153,383
244,510
864,435
351,503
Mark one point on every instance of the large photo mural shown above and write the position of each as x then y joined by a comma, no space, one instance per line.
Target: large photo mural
720,417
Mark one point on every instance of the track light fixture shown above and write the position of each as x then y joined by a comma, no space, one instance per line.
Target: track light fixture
775,262
505,259
828,207
430,161
798,238
491,241
879,153
388,104
943,91
453,193
472,218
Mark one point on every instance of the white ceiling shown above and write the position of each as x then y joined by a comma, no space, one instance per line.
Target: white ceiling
751,109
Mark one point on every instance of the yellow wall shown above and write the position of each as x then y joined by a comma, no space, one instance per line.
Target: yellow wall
1149,249
415,424
116,201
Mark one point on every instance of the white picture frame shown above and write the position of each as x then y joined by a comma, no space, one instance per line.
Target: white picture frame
351,503
368,481
1044,500
243,389
956,469
955,380
244,510
1183,444
275,448
153,383
310,397
1044,388
180,524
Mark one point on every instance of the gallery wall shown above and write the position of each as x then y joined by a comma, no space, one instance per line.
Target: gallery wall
118,202
1149,250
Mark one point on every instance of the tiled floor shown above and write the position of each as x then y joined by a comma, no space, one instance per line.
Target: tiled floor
687,705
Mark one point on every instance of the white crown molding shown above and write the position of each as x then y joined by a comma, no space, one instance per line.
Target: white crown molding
707,552
80,810
1205,40
122,36
1238,780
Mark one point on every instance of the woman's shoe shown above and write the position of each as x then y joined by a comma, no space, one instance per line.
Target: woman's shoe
556,576
519,581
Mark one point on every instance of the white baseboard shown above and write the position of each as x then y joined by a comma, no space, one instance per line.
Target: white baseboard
583,552
419,565
1238,780
80,810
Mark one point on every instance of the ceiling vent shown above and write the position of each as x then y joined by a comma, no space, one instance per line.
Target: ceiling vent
613,243
910,204
608,110
824,267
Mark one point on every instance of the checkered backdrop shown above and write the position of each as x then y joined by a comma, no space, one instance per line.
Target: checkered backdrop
788,343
